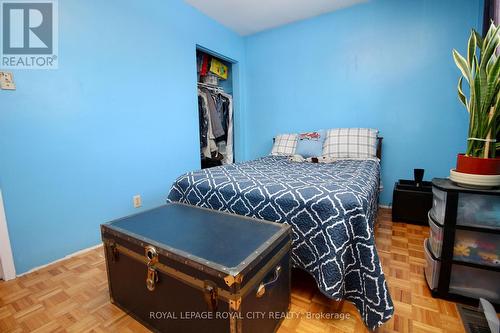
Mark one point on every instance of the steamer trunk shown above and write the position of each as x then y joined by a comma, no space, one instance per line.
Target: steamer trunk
179,268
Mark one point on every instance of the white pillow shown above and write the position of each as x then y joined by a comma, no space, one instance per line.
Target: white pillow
351,143
284,144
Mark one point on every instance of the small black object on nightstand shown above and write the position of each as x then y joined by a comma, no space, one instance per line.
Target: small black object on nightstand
411,201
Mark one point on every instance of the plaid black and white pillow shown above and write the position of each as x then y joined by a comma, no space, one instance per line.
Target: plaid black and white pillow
351,143
284,144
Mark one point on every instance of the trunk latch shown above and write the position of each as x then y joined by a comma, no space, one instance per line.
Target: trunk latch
152,277
211,295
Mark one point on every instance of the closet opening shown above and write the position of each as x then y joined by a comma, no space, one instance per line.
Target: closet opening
215,79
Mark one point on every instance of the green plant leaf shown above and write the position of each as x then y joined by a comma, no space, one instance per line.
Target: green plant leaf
490,46
491,29
462,65
479,39
491,63
482,72
471,49
461,95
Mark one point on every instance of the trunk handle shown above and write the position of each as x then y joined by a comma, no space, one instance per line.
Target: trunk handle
261,290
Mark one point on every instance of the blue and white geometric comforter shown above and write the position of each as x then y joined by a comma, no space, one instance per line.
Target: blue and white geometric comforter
331,208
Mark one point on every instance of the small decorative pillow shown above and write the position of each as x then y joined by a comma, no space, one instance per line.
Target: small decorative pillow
284,144
310,144
351,143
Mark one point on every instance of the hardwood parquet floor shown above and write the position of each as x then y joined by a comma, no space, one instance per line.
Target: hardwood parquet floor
72,295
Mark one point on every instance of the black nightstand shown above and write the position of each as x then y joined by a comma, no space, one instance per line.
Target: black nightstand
411,203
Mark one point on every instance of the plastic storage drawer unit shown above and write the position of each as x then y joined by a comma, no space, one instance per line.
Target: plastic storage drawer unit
436,237
470,246
478,209
473,209
475,283
438,209
477,247
431,268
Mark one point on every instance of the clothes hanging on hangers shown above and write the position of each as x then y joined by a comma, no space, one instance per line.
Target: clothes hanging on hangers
206,131
215,118
229,156
203,119
216,124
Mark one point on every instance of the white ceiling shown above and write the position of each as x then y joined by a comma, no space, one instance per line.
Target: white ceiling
247,17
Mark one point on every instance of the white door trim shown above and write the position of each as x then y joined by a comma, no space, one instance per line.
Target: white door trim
6,258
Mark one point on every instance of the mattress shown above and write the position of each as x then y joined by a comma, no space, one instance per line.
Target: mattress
331,208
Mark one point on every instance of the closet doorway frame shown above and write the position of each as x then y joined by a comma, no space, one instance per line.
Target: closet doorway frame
7,267
236,83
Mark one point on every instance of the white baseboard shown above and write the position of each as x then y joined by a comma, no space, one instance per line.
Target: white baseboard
8,269
93,248
62,259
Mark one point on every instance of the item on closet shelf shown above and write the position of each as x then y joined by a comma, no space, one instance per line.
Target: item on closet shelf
310,144
284,144
218,68
204,65
210,79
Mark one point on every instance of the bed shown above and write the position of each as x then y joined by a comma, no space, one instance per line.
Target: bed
331,208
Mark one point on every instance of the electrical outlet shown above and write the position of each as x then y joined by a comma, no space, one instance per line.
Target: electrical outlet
137,201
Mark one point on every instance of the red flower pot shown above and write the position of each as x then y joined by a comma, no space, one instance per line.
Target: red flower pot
478,165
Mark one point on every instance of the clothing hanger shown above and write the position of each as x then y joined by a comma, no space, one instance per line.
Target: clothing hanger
211,87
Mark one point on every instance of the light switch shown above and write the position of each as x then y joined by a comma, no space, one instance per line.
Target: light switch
7,81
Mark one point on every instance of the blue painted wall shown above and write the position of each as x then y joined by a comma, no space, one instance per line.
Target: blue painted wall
385,64
118,118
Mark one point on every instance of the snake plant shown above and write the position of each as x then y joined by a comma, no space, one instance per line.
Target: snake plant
481,72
